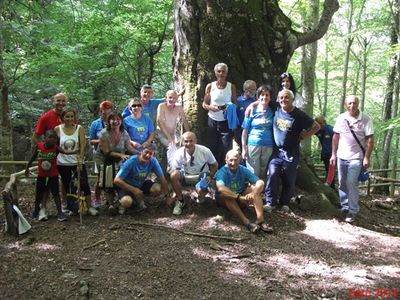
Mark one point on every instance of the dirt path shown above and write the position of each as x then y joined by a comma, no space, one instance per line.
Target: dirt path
307,257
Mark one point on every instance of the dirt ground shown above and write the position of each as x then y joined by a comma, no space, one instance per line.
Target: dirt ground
155,255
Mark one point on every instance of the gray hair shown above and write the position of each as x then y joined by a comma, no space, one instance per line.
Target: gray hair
286,91
223,65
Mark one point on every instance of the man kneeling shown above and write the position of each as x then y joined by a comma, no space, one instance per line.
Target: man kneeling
238,187
192,164
133,183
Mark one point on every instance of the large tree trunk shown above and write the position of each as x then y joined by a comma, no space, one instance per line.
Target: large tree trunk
254,38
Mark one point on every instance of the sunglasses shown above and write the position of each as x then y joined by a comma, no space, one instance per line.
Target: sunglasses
136,105
192,161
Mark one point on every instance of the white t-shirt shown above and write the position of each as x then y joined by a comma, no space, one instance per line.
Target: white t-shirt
362,126
202,156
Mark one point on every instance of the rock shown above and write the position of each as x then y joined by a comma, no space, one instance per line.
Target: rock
385,205
114,226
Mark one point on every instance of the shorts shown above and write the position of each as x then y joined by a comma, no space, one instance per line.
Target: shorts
145,188
47,183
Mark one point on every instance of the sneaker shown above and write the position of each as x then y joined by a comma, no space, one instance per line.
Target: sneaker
92,211
121,210
178,208
96,203
269,208
61,217
285,208
43,215
112,210
140,206
350,218
34,214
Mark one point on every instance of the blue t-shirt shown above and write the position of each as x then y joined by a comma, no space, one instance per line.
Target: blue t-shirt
139,129
95,128
134,173
259,128
236,182
287,129
243,103
325,138
150,109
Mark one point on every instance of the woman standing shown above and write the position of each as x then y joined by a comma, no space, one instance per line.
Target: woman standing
257,139
72,142
98,125
115,147
217,95
139,126
286,81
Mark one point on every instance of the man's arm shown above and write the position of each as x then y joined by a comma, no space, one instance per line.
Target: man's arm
233,94
227,193
207,98
311,131
335,143
367,156
120,182
213,169
35,138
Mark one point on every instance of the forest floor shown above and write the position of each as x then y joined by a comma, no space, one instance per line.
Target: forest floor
155,255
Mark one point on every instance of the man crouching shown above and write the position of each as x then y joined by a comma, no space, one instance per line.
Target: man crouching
238,187
133,182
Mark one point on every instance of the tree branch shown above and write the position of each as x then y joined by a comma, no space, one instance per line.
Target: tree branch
330,7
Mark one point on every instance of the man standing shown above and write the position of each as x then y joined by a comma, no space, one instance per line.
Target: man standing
47,121
191,164
149,105
352,145
325,135
290,125
51,118
133,182
238,187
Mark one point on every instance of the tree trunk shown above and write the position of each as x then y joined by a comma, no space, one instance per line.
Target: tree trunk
309,59
6,149
349,42
254,38
389,104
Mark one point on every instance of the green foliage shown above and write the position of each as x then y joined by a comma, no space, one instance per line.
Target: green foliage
91,50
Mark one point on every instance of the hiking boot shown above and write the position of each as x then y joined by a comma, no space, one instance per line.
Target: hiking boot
43,215
34,214
92,211
269,208
350,218
61,217
285,208
178,208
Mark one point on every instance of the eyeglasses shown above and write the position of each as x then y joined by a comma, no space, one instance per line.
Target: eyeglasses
136,105
192,161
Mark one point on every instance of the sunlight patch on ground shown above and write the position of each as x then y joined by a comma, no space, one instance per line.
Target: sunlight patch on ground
37,246
347,236
175,223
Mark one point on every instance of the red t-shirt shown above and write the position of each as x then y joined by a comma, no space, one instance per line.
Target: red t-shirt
47,121
47,155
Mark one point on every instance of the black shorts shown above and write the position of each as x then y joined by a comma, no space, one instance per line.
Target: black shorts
145,188
44,184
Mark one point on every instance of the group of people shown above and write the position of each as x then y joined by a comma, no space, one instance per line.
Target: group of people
267,134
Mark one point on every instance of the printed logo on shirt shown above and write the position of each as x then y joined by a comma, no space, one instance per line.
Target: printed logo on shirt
141,129
284,125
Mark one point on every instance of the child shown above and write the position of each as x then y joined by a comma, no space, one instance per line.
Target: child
169,115
47,178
